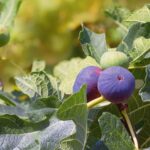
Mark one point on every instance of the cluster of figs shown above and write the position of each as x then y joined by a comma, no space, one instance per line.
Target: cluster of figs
113,80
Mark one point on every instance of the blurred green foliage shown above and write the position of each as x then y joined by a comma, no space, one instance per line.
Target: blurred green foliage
48,30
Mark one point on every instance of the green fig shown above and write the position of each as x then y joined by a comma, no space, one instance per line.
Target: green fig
4,36
114,58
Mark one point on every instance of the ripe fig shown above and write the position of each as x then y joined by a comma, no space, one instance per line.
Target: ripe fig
116,84
88,76
114,58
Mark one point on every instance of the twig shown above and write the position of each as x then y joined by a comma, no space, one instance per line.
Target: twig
95,102
126,117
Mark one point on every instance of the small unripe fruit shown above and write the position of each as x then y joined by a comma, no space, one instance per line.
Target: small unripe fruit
4,36
116,84
88,76
114,58
4,39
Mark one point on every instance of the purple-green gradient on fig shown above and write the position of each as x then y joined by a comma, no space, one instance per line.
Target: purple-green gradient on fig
116,84
88,76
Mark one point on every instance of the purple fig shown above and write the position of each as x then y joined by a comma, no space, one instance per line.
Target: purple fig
116,84
88,76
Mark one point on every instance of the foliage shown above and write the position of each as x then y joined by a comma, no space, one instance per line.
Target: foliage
52,117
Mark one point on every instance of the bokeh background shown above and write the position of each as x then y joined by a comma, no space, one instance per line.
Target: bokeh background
48,30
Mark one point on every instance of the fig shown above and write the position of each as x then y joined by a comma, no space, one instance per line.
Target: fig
4,36
88,76
114,58
116,84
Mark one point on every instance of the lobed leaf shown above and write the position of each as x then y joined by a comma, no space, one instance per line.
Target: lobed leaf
75,108
114,134
141,15
37,84
136,43
93,44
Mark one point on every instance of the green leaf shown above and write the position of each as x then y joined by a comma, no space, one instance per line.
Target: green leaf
38,66
94,132
145,90
37,84
142,47
48,138
136,42
34,110
27,85
11,110
141,15
7,98
8,13
41,109
7,16
24,141
67,71
119,14
114,134
75,108
58,130
93,44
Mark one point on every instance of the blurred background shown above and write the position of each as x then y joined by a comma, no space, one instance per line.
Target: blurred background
48,30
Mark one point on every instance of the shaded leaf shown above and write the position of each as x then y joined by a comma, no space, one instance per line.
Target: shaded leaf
75,108
114,134
134,41
37,84
93,44
47,139
145,90
119,14
142,47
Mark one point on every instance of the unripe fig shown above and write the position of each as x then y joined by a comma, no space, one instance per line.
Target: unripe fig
88,76
4,36
116,84
114,58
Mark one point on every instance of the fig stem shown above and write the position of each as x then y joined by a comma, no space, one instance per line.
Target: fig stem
136,67
126,117
94,102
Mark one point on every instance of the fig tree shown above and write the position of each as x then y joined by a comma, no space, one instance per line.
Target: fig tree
116,84
88,76
114,58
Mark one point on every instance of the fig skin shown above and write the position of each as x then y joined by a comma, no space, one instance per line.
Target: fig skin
4,39
4,36
116,84
114,58
88,76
